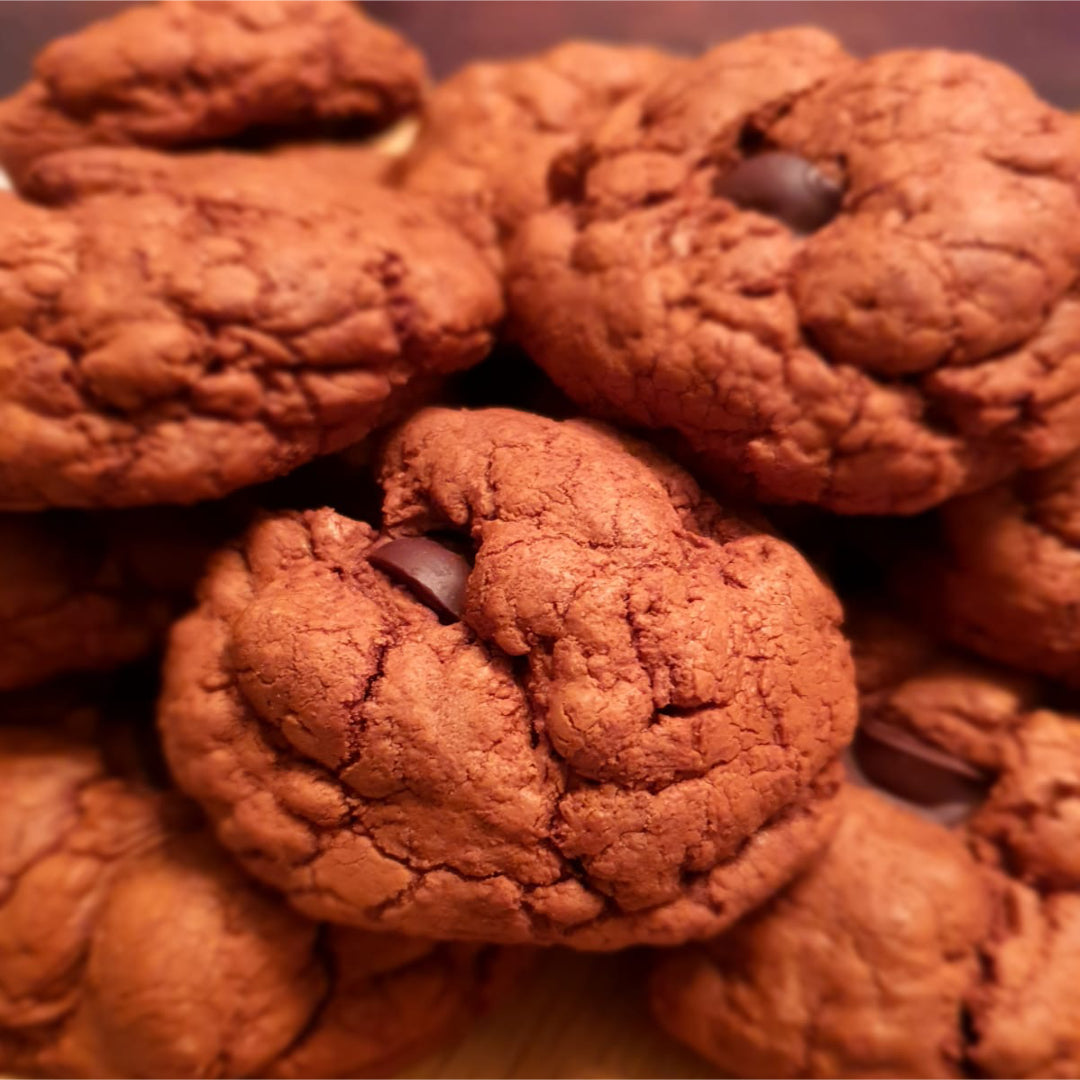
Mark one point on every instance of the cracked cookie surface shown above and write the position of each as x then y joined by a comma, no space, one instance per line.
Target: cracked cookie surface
629,737
175,345
180,74
919,343
490,133
130,944
965,935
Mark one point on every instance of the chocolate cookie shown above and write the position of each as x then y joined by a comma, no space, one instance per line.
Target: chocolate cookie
131,946
563,697
859,969
1003,577
181,74
179,344
776,253
91,592
912,949
490,133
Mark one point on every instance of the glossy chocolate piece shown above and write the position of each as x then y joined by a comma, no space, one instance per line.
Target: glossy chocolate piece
784,186
433,573
931,781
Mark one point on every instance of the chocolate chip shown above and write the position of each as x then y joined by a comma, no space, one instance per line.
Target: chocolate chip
934,782
431,572
784,186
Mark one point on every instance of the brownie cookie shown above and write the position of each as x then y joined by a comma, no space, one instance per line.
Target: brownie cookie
775,252
179,344
183,74
1003,577
91,592
966,936
563,698
861,968
490,133
131,946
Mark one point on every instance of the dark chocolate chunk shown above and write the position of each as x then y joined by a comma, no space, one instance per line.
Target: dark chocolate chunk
935,783
784,186
432,572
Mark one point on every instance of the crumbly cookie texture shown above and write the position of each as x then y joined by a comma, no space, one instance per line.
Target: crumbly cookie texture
179,344
132,946
181,74
490,133
629,736
965,935
82,592
1004,579
775,252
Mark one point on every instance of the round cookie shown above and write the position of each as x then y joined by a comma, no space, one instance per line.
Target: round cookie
181,74
1004,576
775,254
179,344
131,945
574,701
966,935
489,134
92,592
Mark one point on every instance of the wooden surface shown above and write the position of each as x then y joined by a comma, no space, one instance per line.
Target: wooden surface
573,1015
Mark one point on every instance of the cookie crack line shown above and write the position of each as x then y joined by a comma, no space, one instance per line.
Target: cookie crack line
369,732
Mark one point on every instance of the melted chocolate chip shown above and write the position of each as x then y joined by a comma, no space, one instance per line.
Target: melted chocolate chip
784,186
432,572
935,783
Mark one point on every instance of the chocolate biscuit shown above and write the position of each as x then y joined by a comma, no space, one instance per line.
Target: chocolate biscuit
131,945
838,282
607,713
937,934
185,75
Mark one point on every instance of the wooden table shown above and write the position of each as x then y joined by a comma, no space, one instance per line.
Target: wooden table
574,1015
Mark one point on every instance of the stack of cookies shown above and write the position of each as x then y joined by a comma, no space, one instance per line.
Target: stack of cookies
392,578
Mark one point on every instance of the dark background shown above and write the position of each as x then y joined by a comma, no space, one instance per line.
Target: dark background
1040,39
